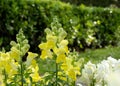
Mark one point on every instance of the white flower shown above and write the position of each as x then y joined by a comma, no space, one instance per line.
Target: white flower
117,66
88,73
113,79
78,84
112,62
90,68
102,72
106,73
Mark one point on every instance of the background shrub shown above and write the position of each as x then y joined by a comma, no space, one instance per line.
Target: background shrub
87,27
98,3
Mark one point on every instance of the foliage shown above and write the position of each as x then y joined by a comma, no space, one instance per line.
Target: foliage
98,3
87,27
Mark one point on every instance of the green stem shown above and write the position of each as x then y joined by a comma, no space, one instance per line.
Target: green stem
22,71
56,73
103,83
73,83
5,77
67,81
15,79
93,82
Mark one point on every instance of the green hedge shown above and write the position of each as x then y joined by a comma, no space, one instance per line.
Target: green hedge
98,3
87,27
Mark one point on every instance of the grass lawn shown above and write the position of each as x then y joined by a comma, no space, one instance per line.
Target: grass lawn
99,54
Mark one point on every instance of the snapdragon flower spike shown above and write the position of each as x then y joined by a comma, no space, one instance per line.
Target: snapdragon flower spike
54,41
57,46
12,67
29,66
19,48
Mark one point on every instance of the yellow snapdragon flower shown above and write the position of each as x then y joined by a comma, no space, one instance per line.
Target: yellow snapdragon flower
72,74
61,51
46,47
50,44
35,75
30,57
5,61
51,41
61,58
70,69
63,46
14,67
8,64
15,53
45,54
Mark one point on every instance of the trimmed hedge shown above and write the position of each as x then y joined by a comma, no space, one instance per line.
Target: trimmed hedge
98,3
87,27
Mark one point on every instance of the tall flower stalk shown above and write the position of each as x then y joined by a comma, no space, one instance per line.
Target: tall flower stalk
56,47
17,67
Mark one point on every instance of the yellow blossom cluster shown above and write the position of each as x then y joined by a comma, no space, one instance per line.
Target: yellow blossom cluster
7,66
56,46
12,64
70,69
